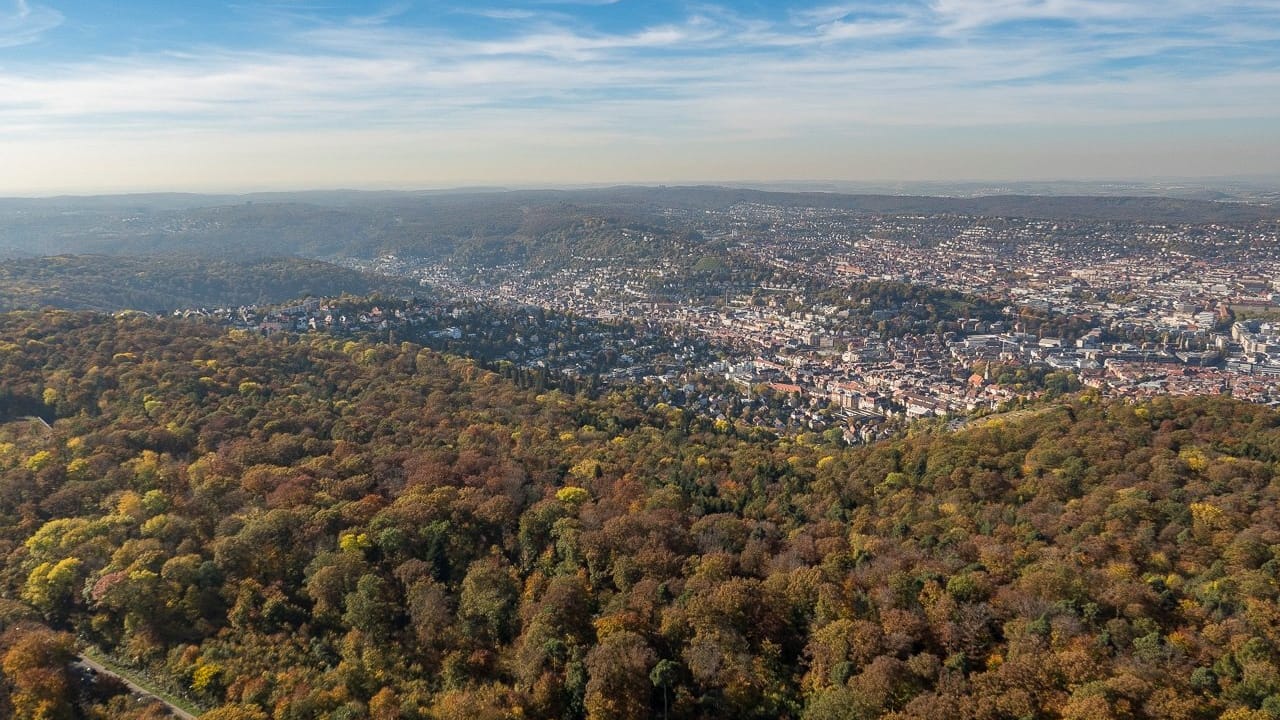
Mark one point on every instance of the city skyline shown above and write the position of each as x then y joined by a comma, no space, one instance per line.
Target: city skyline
292,95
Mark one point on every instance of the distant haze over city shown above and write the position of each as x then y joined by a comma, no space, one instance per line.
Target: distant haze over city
238,97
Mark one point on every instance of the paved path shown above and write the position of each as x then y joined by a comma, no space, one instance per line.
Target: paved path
133,687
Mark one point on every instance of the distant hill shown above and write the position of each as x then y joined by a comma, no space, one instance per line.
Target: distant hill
161,284
1096,208
490,227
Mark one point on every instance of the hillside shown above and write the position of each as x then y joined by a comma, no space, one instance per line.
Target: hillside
1100,208
161,284
306,528
497,227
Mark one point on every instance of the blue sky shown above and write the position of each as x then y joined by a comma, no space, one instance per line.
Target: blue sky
98,96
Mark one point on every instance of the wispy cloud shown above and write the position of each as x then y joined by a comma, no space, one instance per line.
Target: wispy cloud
26,23
504,13
822,65
714,73
577,2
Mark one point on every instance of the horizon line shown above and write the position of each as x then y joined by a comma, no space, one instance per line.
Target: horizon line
1206,182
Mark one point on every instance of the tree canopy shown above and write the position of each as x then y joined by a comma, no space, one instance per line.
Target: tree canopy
304,527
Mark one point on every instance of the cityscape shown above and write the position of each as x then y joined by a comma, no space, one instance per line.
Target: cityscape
1130,310
640,360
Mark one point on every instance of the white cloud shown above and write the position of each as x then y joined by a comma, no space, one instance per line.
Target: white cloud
27,23
701,76
504,13
713,77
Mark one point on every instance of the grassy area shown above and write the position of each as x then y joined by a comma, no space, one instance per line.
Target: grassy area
1012,416
141,680
1255,313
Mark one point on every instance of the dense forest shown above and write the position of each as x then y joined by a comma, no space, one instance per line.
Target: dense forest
159,284
306,527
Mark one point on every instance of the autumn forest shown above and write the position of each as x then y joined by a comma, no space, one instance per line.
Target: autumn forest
303,527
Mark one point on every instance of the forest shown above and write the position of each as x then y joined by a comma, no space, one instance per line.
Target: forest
303,527
160,284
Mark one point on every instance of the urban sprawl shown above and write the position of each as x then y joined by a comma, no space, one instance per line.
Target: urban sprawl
1129,309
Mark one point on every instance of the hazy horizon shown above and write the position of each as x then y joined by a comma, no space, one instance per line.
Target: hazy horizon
234,98
1249,186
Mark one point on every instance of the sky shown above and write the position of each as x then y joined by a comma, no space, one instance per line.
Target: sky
120,96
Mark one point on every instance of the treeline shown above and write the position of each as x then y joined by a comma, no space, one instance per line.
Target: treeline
472,228
311,528
163,283
895,309
921,309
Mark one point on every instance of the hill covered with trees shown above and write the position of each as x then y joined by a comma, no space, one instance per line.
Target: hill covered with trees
302,527
159,284
494,227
